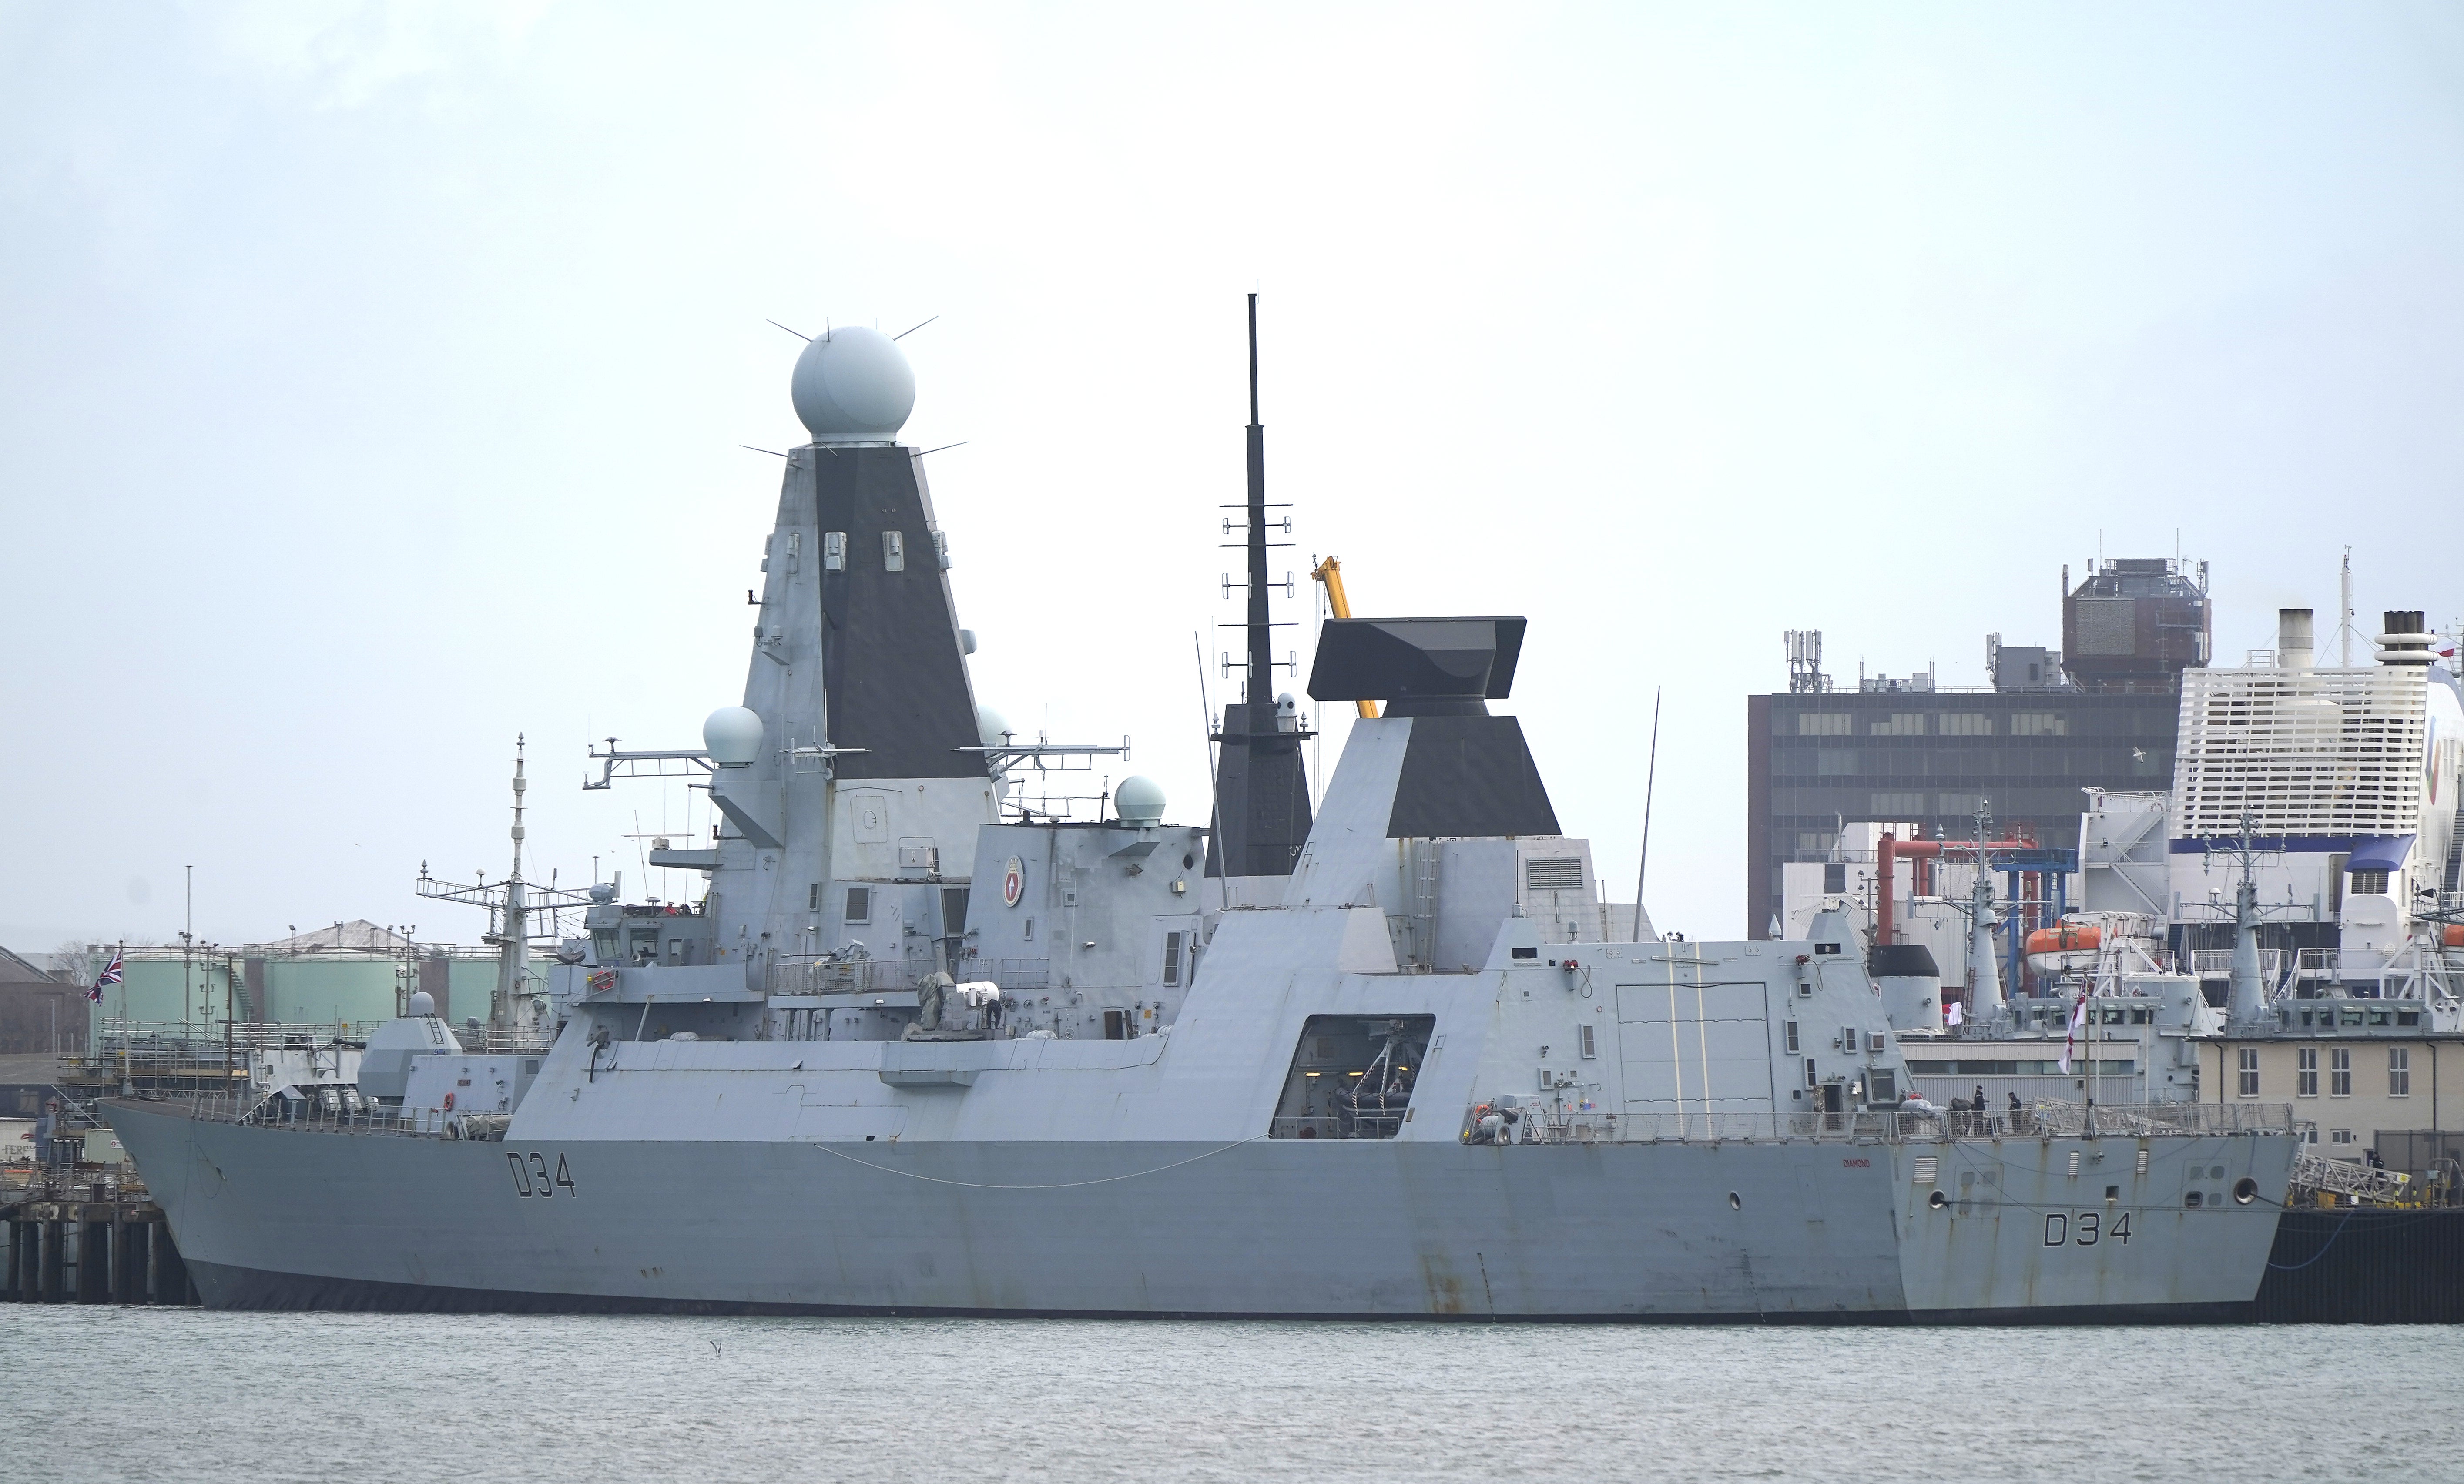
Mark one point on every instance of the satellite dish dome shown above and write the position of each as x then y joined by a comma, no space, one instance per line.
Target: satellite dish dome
733,736
992,728
1139,802
853,385
422,1003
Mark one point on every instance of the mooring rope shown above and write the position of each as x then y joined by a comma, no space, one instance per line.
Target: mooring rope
2323,1247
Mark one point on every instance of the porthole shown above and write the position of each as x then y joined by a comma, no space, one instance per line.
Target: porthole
1187,862
2245,1191
1938,1200
1735,1204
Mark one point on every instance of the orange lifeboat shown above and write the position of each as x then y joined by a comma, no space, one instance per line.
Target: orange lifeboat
2451,935
2067,938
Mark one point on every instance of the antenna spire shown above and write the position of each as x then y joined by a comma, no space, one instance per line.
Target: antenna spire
1253,360
1261,663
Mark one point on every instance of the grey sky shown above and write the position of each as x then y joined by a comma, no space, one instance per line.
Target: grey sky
371,379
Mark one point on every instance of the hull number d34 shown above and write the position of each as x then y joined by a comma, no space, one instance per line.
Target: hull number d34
531,1178
2086,1229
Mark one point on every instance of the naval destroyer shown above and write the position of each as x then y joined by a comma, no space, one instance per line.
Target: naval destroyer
921,1050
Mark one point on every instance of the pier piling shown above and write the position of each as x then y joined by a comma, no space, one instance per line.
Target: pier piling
89,1251
127,1261
93,1248
52,1235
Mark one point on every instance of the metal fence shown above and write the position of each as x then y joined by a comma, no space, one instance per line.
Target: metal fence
504,1043
884,976
140,1050
320,1114
2208,963
1384,1125
62,1183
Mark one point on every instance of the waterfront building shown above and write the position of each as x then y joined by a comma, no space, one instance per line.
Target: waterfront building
1924,758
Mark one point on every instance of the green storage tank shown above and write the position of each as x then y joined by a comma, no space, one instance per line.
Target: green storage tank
158,991
314,990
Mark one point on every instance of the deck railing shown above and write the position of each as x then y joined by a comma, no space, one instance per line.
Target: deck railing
1532,1126
1337,1126
164,1049
268,1110
2043,1121
884,976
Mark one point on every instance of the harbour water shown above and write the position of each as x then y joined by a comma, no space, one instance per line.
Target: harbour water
202,1397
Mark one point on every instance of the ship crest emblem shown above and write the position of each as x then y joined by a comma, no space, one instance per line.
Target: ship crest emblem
1012,880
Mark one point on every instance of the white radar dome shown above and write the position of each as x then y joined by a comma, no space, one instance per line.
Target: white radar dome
853,385
992,728
1139,802
733,736
422,1003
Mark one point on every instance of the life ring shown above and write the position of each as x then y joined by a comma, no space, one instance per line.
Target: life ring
449,1103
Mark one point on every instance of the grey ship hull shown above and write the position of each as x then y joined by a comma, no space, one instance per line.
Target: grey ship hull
1818,1232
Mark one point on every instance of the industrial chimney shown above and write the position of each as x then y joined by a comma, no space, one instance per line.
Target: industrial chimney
2293,642
2406,639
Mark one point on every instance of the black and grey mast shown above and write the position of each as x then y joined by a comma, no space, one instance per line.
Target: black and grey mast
1261,788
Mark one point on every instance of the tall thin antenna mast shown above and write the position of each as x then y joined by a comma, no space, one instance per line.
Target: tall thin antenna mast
512,949
1650,779
1264,809
2344,615
1261,664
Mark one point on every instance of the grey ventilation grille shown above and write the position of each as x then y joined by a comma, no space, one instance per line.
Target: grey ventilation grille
1553,873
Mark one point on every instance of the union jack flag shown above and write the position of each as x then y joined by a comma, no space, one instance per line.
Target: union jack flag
110,975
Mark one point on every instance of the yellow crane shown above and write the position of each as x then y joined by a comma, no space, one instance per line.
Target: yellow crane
1330,573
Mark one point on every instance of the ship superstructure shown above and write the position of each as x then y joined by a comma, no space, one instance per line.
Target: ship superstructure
916,1052
2285,921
